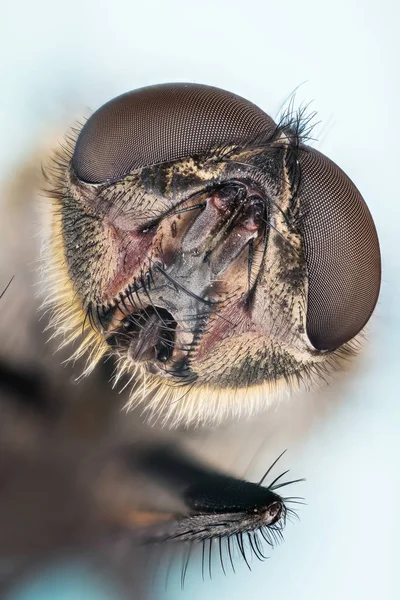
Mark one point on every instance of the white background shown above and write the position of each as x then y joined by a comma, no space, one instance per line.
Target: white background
59,58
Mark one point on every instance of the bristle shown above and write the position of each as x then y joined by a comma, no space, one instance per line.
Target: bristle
299,123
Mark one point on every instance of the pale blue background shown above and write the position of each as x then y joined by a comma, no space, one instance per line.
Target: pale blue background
60,57
71,581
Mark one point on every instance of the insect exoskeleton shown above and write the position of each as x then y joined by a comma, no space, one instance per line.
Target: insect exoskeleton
210,249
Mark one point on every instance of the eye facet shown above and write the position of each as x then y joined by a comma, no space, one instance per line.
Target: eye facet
161,123
342,253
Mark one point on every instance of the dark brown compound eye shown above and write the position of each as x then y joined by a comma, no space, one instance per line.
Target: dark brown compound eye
342,252
161,123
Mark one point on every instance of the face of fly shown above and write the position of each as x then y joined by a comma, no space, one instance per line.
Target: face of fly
195,271
190,279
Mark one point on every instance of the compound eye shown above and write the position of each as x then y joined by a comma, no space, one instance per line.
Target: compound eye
342,253
162,123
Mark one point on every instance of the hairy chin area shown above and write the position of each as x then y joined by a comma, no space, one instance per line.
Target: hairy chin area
196,404
201,405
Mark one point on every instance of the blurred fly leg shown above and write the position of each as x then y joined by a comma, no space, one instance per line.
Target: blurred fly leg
175,498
